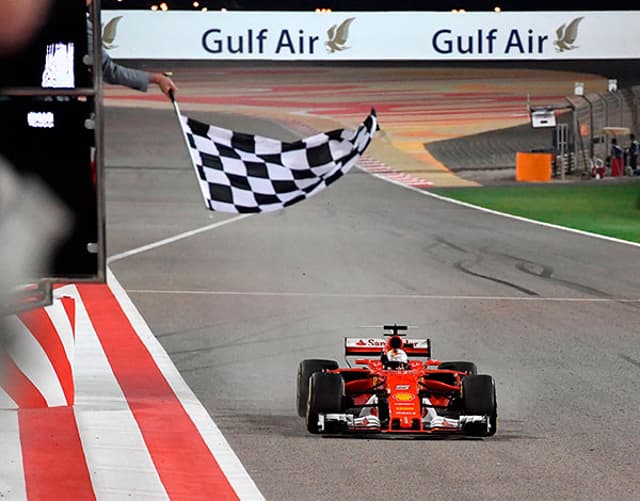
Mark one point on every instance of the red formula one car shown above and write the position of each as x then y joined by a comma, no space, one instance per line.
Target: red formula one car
401,390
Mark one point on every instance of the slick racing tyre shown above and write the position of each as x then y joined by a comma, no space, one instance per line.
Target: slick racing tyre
305,370
479,396
326,393
468,367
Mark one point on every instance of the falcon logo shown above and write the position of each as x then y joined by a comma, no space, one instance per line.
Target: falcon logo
109,33
567,35
337,36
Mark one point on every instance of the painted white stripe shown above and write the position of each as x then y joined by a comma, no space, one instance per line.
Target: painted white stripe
231,466
175,238
385,177
32,360
6,402
391,296
62,324
383,171
119,462
12,483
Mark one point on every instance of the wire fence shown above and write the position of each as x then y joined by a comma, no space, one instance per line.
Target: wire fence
594,120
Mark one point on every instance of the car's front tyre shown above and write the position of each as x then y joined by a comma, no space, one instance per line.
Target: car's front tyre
305,370
479,398
326,394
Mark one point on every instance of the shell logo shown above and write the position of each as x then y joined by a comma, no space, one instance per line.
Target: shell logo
404,397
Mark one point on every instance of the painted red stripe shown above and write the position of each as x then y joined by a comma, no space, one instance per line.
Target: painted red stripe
186,467
69,305
42,328
18,386
53,460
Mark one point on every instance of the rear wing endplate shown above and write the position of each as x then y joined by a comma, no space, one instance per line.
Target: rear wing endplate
372,347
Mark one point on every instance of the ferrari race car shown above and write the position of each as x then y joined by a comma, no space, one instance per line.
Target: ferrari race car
397,388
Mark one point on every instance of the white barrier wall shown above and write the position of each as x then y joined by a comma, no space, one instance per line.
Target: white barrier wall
377,36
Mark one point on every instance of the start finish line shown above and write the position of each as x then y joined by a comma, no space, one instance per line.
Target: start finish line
358,36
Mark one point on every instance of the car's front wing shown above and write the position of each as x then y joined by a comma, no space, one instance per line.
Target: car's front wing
349,423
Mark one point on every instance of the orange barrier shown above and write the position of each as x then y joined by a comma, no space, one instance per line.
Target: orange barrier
533,166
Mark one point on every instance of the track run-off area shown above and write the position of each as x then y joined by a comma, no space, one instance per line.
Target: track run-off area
237,302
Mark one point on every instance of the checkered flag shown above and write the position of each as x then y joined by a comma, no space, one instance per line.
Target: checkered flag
244,173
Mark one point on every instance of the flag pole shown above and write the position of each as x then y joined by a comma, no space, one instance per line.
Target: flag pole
183,130
172,96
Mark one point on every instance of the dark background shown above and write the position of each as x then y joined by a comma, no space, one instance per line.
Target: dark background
59,156
66,22
373,5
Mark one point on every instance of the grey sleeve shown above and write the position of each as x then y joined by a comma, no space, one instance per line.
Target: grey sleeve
115,73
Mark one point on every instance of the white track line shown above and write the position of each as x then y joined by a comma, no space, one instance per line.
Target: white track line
187,234
524,219
388,296
231,466
12,484
170,240
119,462
424,192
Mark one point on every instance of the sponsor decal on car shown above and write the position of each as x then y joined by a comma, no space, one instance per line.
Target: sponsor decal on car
404,397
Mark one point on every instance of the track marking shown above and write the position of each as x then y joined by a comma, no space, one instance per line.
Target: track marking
510,216
30,364
175,238
120,464
379,170
41,326
54,463
383,171
243,485
388,296
12,482
186,467
630,360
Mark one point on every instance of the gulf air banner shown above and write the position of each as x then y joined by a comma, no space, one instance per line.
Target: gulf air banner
359,36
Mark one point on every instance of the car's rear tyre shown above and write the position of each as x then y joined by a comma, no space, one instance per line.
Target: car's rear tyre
305,370
479,397
326,394
460,366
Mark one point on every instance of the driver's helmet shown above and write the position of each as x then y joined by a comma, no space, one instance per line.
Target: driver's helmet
397,359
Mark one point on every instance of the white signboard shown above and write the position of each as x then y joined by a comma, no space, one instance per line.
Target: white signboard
543,118
356,36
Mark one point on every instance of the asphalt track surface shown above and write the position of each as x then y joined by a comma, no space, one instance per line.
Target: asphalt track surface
551,315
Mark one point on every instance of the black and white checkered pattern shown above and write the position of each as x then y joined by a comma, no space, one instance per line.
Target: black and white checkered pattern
244,173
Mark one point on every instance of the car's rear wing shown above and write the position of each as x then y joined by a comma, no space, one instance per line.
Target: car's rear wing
372,347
